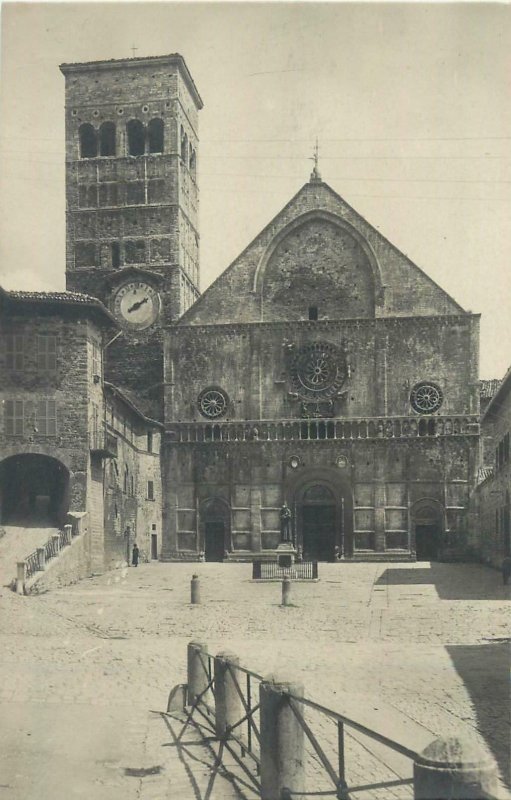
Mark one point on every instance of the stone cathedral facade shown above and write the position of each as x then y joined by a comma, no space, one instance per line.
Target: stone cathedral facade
322,369
325,370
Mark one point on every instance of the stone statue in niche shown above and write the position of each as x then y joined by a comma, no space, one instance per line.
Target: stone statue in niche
285,524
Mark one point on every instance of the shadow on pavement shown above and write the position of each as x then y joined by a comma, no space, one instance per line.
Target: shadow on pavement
208,772
451,581
484,670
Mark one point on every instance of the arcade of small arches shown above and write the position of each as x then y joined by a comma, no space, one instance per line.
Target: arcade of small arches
141,140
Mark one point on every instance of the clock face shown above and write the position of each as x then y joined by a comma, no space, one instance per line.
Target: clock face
137,304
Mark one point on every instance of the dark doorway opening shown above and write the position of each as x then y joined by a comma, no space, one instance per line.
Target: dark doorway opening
214,535
215,521
319,520
318,527
34,490
154,546
427,522
426,542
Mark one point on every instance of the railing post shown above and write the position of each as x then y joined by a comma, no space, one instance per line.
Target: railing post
41,558
195,590
282,740
55,537
67,534
20,577
228,709
454,768
197,670
286,591
256,570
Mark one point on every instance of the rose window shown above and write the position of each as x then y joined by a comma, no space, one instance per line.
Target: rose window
213,403
426,398
318,370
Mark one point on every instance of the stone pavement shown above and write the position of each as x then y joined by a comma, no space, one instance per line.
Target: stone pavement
82,668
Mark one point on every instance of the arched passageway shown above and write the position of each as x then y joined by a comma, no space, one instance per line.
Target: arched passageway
34,489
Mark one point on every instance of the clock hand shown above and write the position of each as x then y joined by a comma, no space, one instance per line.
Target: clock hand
137,305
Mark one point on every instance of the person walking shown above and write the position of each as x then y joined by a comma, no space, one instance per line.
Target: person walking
134,555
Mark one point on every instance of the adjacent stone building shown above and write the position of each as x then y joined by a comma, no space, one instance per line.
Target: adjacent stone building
51,432
492,497
68,442
325,370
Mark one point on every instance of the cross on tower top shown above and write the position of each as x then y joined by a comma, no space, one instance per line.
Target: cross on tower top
315,174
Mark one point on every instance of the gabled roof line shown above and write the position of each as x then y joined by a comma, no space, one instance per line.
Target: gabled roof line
391,244
264,230
499,396
240,255
125,399
76,300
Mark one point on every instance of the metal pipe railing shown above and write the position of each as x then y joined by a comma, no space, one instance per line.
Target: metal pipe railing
277,731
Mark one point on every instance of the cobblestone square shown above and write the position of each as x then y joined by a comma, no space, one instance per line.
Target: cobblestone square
82,668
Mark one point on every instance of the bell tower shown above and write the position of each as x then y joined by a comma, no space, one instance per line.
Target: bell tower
132,236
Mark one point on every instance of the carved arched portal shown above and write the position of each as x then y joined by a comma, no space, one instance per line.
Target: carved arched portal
323,513
427,529
215,528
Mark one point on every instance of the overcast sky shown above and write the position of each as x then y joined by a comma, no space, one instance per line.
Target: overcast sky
411,105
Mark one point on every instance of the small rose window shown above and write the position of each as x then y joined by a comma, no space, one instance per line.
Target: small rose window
213,402
426,398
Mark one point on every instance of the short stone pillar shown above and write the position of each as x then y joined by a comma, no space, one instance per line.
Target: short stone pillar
21,577
197,671
41,558
55,537
286,591
195,590
282,740
454,768
67,534
228,708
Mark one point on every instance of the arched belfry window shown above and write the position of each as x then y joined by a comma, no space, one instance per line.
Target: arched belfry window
155,136
136,137
107,139
184,146
193,162
88,141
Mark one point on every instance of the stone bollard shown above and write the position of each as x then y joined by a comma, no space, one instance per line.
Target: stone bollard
282,741
228,708
20,577
41,558
286,591
454,768
195,590
197,670
55,537
67,534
